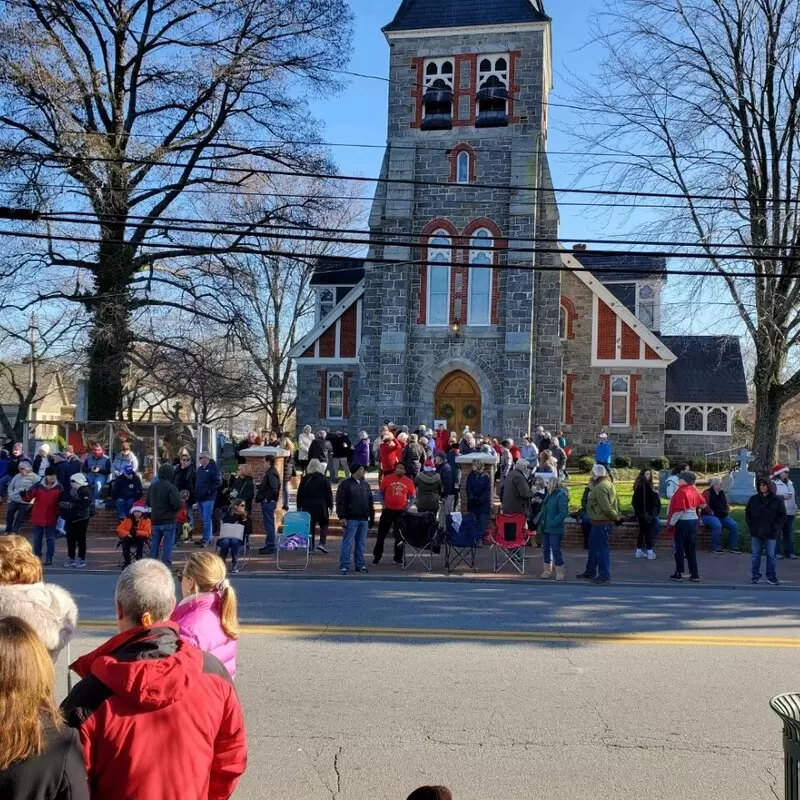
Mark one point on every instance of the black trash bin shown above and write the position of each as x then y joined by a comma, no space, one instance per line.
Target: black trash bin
787,707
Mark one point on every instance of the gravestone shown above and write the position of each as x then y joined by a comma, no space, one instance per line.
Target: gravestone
744,481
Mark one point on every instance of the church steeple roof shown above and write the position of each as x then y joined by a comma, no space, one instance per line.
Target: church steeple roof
429,14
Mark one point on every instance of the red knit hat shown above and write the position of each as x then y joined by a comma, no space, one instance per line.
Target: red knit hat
777,469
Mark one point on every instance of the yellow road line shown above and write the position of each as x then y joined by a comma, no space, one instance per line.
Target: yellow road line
665,639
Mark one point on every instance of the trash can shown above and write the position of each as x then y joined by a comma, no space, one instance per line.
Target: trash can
787,707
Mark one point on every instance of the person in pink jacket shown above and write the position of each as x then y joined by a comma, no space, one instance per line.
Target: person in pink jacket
207,616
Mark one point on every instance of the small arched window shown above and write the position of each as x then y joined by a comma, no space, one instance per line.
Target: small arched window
463,167
479,305
693,420
672,419
562,323
440,256
717,421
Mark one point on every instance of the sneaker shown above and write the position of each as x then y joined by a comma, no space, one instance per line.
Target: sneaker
735,550
266,551
201,543
362,570
600,580
237,568
49,562
695,579
640,553
322,549
773,581
793,557
718,552
651,556
586,576
779,556
80,564
755,579
376,561
69,563
344,571
677,577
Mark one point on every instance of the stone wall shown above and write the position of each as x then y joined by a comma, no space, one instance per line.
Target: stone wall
311,399
642,441
695,446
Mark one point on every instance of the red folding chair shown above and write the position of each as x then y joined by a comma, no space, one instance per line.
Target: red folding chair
509,542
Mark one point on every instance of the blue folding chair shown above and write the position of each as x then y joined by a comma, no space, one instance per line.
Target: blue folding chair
294,537
461,541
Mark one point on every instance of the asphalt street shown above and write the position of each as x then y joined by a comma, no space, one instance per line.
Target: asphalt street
359,689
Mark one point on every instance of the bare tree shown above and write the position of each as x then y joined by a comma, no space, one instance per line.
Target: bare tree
700,100
122,111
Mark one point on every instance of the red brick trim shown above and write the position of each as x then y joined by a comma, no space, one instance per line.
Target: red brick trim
569,389
606,332
347,333
418,65
572,315
650,354
605,390
346,395
473,103
470,91
633,399
631,344
327,343
431,228
309,353
462,147
513,88
323,394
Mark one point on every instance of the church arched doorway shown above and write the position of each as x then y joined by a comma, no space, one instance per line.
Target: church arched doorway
458,400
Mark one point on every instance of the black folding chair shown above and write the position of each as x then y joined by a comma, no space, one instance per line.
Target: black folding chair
417,530
461,541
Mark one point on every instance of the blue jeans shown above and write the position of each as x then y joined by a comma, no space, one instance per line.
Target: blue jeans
166,533
787,540
755,548
206,509
47,532
716,524
268,512
552,541
599,553
97,484
356,531
234,545
124,507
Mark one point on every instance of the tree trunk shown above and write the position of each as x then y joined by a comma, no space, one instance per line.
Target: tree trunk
766,431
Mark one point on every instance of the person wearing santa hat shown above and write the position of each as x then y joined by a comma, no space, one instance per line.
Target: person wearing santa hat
784,488
134,530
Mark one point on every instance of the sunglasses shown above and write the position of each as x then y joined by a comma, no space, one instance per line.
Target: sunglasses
185,458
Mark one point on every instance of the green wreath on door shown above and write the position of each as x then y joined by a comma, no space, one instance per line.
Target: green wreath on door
470,412
447,411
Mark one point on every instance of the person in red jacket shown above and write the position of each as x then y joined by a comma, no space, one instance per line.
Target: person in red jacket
145,687
389,454
442,439
45,497
682,517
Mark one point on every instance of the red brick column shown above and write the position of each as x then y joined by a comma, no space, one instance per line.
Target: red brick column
255,458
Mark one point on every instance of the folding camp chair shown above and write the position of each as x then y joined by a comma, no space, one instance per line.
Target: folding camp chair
294,537
461,541
417,531
509,541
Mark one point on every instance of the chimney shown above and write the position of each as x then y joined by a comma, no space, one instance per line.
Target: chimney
579,248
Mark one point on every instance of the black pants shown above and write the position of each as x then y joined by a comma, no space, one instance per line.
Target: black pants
686,545
76,537
127,544
646,537
389,519
323,532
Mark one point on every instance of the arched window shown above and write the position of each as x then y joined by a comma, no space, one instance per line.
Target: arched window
463,167
440,255
562,323
492,97
327,300
437,99
479,306
672,419
693,420
646,305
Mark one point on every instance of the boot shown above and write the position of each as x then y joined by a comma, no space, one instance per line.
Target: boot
546,572
560,574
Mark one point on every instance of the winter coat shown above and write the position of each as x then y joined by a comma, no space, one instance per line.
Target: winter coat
506,462
66,469
129,528
47,608
765,515
554,512
269,490
354,501
127,487
103,464
198,619
448,479
361,453
246,525
465,447
57,773
163,497
315,496
479,493
317,450
245,444
559,455
516,494
429,491
389,454
120,461
74,503
288,468
687,500
185,480
717,503
44,512
243,489
303,443
602,453
140,690
37,464
646,502
19,484
413,454
602,507
442,441
341,446
786,492
208,481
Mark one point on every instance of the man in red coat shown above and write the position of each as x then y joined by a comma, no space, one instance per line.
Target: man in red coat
442,439
143,691
389,454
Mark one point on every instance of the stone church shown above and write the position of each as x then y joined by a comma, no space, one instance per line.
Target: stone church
452,315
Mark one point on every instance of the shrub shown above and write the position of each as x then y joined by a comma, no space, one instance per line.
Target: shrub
586,463
622,461
661,462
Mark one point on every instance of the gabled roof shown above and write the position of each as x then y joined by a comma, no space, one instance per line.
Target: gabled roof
431,14
48,381
327,321
337,271
708,369
633,267
628,317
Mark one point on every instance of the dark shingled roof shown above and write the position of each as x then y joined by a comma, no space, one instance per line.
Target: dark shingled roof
416,15
623,267
337,271
708,369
